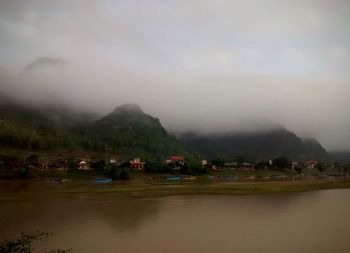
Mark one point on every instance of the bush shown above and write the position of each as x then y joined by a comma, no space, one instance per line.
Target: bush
10,162
117,173
25,171
193,169
281,162
124,175
321,167
23,244
218,162
154,167
98,165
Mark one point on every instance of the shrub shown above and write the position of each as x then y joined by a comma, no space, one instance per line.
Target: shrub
23,244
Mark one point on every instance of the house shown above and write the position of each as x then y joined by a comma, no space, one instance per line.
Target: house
84,165
137,164
176,160
294,165
311,164
113,161
230,164
247,166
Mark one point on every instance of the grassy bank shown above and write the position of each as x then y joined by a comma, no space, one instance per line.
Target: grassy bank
231,188
153,185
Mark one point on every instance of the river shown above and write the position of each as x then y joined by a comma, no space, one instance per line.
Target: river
317,221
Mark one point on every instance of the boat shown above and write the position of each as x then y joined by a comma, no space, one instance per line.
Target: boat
188,178
173,178
102,180
59,180
66,180
230,177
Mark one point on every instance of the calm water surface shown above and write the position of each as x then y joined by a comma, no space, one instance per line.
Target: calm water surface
316,221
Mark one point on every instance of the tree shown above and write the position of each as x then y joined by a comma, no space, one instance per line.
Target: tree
32,160
262,165
124,174
281,162
218,162
72,163
11,162
98,165
117,173
321,167
240,159
154,167
23,244
26,170
193,169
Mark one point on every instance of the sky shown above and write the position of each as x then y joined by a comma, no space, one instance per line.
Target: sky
223,65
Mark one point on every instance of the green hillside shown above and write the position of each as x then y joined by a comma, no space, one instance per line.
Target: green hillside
127,131
253,146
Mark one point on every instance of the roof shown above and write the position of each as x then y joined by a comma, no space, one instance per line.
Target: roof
312,161
176,158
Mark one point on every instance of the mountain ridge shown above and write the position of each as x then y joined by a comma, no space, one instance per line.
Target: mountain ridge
254,146
131,132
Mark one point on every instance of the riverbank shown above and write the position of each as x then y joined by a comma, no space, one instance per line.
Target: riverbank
229,188
145,190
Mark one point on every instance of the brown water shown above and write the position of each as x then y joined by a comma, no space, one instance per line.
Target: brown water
316,221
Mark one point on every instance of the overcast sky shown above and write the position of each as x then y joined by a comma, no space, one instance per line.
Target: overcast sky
195,64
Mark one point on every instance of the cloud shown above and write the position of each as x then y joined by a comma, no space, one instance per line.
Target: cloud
206,65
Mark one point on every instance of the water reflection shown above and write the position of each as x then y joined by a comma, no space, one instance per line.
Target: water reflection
53,211
297,222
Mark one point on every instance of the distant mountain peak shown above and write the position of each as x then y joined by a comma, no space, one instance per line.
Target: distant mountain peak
128,108
310,140
44,61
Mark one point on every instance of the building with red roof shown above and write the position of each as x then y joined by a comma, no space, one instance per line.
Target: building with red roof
176,160
137,164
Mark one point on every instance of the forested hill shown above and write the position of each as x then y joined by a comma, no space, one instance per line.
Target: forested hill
342,157
132,131
253,146
37,127
128,131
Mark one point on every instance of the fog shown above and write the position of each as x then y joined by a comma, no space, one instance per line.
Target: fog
195,64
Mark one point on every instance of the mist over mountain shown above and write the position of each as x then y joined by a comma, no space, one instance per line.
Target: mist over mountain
341,157
129,132
42,62
253,146
109,106
31,88
232,66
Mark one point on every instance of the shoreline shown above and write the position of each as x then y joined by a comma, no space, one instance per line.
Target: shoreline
146,190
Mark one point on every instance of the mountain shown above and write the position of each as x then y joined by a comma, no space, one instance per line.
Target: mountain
43,61
38,127
131,131
128,131
342,157
314,150
253,146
